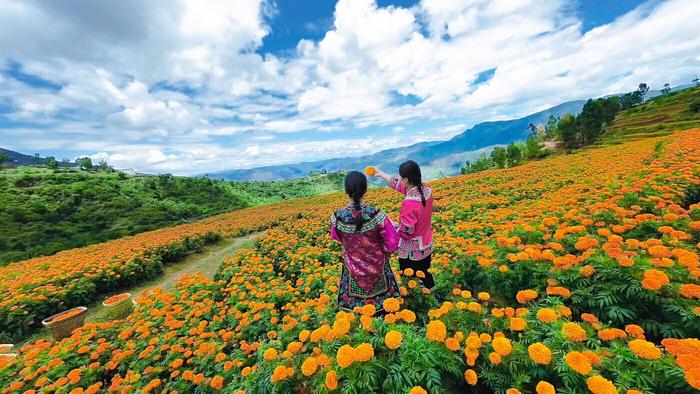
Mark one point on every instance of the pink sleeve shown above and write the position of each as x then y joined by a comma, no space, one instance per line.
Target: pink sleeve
334,233
408,219
396,185
389,235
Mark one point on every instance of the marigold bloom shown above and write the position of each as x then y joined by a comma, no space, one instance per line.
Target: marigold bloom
495,358
578,362
452,344
345,356
418,390
502,346
370,170
513,390
483,296
599,385
436,331
517,324
270,354
393,339
331,380
525,296
574,332
391,305
547,315
309,366
470,377
644,349
363,352
217,382
544,388
539,353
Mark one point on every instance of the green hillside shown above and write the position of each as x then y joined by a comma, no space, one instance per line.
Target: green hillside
44,211
659,116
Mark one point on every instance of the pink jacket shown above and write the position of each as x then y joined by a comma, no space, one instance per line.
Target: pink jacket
415,222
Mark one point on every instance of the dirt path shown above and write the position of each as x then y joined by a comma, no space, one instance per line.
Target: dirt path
207,261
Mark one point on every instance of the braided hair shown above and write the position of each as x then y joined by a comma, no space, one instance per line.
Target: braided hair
411,170
356,187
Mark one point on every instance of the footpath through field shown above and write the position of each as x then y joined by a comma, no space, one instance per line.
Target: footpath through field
207,262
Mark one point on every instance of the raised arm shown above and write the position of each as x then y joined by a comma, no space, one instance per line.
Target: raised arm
383,175
392,181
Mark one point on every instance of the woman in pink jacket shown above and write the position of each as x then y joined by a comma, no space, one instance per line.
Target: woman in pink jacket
415,220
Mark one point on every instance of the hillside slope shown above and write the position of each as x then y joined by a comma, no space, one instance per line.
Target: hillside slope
658,116
45,211
580,271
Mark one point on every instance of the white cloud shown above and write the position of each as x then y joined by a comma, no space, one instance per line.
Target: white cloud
177,86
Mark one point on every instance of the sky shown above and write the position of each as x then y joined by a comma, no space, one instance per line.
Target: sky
196,86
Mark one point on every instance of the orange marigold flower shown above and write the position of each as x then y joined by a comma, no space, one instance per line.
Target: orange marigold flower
418,390
599,385
644,349
495,358
610,334
502,346
513,390
544,387
270,354
436,331
331,380
690,290
470,377
574,332
217,382
309,366
539,353
391,305
363,352
578,362
653,279
517,324
547,315
483,296
370,170
393,339
345,356
525,296
452,344
635,331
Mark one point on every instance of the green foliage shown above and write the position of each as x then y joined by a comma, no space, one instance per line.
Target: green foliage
45,211
514,152
85,163
499,156
482,164
4,158
51,162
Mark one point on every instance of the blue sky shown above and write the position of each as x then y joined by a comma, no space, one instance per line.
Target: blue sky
189,87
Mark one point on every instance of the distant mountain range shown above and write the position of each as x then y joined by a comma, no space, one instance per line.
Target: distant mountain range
435,157
20,159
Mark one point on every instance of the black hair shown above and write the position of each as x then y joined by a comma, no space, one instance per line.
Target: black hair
356,187
411,170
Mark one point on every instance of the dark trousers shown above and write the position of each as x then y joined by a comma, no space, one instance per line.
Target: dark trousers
420,265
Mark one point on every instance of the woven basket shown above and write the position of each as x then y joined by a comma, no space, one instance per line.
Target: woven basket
63,328
121,309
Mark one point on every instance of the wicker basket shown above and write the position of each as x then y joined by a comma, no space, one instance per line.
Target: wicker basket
62,328
120,309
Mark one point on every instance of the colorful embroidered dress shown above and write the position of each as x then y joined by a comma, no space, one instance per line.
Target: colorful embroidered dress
366,277
415,222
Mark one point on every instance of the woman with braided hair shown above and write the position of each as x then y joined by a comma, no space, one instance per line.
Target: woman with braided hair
415,220
368,237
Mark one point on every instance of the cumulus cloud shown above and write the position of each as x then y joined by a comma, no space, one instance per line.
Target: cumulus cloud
183,85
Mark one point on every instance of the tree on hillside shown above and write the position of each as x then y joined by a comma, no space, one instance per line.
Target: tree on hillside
51,162
551,127
643,89
515,154
532,147
103,166
533,128
482,164
4,158
36,159
666,89
499,156
85,163
568,130
594,115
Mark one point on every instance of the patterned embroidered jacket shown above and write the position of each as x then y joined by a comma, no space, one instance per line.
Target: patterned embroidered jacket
365,251
415,222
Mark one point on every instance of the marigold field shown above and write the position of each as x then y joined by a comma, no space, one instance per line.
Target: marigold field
574,274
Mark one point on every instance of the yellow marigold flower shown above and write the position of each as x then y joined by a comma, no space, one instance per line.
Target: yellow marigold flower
599,385
574,332
412,284
418,390
653,279
331,380
513,390
484,337
586,271
370,170
406,315
483,296
547,315
644,349
363,352
280,373
474,307
495,358
610,334
309,366
390,318
466,294
295,347
393,339
544,388
503,268
539,353
578,362
592,357
368,310
408,272
270,354
470,376
345,356
502,346
304,335
473,342
632,391
565,311
391,305
517,324
420,274
436,331
452,344
341,327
